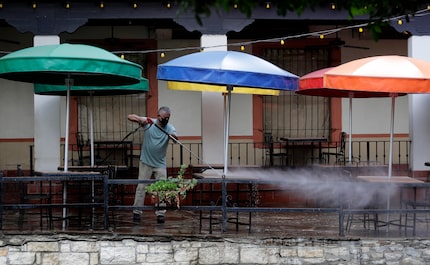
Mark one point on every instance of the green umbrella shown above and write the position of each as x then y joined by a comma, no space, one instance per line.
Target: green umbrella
91,91
75,66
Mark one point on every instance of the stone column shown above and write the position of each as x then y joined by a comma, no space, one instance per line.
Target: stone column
419,109
47,128
213,110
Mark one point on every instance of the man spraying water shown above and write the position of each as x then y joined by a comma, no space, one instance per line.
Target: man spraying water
153,155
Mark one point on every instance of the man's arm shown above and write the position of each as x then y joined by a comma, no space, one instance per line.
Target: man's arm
139,119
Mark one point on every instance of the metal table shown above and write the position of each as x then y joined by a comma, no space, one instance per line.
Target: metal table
304,141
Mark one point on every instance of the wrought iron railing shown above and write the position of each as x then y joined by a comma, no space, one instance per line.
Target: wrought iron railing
364,152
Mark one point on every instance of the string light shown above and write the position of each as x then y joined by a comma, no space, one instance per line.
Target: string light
268,6
135,5
168,5
242,47
282,39
122,56
282,42
102,5
67,5
1,5
333,6
162,55
34,5
235,6
320,34
400,22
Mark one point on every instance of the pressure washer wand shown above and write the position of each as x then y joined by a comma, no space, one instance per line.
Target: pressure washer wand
186,148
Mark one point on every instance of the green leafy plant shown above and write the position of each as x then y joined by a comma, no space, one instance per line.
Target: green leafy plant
173,189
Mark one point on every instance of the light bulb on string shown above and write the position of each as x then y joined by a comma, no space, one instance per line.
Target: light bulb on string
162,55
282,42
235,6
400,22
67,5
321,36
34,5
360,29
268,6
1,5
102,5
333,6
168,5
134,5
122,56
242,48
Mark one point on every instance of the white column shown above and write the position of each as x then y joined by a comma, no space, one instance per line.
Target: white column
47,130
213,110
419,109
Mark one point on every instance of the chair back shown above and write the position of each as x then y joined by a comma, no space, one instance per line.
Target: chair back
268,141
342,142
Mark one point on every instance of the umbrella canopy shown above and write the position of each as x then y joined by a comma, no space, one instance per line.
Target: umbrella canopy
69,65
390,74
91,91
312,84
86,65
226,72
213,71
140,87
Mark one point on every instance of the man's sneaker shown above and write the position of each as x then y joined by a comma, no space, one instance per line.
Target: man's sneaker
136,217
160,219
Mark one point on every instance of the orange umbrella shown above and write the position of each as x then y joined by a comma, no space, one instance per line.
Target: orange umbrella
312,84
390,74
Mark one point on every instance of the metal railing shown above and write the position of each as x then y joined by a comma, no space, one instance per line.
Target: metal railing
364,152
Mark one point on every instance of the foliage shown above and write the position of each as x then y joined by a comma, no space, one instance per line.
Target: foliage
376,10
173,189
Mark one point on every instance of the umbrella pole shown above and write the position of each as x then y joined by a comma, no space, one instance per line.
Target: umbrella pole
227,127
390,160
92,127
226,134
350,130
69,82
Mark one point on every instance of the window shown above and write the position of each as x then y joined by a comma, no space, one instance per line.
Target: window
290,114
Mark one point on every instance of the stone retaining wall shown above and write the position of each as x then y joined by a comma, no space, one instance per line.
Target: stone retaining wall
112,250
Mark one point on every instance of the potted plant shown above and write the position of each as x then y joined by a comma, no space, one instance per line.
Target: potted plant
173,189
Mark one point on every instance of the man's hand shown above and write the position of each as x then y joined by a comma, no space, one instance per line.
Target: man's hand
149,121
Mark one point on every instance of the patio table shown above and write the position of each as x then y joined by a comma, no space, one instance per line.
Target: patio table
304,141
402,182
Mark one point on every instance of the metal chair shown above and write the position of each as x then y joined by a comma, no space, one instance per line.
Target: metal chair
41,197
83,159
271,155
339,154
418,204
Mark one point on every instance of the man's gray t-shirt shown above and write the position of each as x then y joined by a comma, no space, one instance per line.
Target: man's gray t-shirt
154,146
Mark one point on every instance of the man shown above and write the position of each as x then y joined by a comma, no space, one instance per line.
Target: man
153,154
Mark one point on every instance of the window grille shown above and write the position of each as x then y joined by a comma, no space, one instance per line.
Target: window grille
110,112
110,116
290,114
